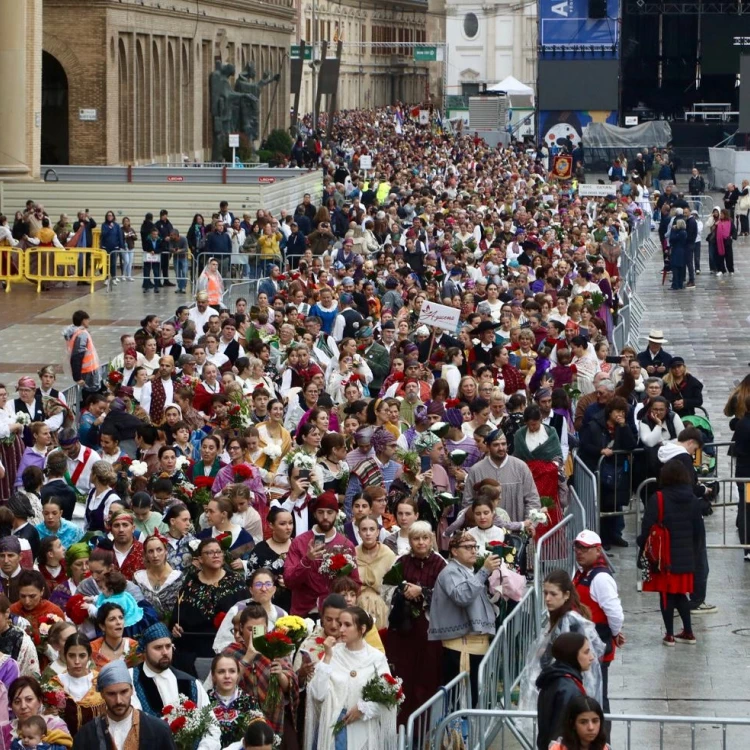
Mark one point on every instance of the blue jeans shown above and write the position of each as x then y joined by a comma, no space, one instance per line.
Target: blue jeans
149,268
113,263
180,272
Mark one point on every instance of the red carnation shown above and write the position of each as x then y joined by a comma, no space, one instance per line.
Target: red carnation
189,705
204,482
389,679
76,609
495,544
219,619
339,561
276,636
125,461
178,724
398,376
114,377
167,710
354,377
452,403
242,472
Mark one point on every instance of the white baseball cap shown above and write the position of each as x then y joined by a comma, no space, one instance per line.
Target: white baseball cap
588,538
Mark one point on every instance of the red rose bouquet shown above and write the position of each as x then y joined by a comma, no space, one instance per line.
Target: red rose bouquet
383,689
76,609
337,563
275,644
202,493
188,723
242,473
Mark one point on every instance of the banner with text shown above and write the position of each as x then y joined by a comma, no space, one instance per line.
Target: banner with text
440,316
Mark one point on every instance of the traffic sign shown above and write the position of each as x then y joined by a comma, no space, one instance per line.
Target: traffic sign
294,52
425,54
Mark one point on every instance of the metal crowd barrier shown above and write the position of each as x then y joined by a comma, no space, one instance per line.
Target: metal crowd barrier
703,204
500,670
238,266
241,289
419,733
586,486
629,731
554,551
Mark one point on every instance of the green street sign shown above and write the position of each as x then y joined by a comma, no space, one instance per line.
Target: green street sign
295,54
425,54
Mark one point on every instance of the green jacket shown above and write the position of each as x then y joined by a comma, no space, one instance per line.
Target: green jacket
379,361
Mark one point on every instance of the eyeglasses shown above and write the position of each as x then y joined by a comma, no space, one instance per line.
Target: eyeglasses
263,585
213,552
470,547
234,448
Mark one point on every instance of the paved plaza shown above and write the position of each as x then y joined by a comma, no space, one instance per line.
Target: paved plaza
707,326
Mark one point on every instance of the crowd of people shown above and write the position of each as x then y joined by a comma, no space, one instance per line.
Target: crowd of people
322,455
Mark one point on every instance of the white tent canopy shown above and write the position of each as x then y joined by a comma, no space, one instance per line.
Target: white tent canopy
510,86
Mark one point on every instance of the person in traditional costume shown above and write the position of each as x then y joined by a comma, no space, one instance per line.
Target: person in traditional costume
75,692
416,660
11,446
26,699
121,726
335,691
31,604
159,582
157,683
16,643
11,551
256,671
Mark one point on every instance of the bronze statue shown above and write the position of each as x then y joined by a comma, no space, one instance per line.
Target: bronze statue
235,110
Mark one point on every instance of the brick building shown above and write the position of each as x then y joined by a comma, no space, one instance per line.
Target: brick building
126,81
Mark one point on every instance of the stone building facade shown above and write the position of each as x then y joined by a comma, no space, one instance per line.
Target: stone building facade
377,66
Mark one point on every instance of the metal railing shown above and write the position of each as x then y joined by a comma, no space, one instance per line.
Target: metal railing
500,670
629,731
586,486
419,733
238,266
241,289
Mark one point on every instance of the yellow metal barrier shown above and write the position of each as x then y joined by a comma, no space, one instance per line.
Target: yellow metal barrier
96,238
45,265
12,265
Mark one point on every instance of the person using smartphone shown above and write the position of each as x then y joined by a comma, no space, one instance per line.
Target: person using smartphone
297,501
302,574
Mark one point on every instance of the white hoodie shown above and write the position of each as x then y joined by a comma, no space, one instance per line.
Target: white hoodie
669,451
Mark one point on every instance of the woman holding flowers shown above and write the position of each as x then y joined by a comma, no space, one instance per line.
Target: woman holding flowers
32,603
335,692
219,512
213,591
259,672
240,470
233,708
274,439
416,660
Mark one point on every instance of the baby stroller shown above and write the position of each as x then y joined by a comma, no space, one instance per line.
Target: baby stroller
705,459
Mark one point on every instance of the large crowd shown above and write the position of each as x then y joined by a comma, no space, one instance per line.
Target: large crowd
289,522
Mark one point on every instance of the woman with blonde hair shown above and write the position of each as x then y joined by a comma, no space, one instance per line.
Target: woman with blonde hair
736,405
101,496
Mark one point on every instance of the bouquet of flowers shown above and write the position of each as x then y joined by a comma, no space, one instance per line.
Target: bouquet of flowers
181,463
271,452
238,720
337,563
239,415
294,627
538,517
114,378
138,469
340,521
184,491
275,644
202,493
21,418
54,698
241,473
383,689
77,609
301,460
188,723
45,623
185,381
225,542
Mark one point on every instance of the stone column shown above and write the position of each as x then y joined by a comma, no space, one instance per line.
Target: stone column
15,88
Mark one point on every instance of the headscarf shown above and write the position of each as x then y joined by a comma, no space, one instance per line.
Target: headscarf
420,414
154,633
78,551
117,405
436,408
426,441
114,673
26,382
454,417
10,543
381,438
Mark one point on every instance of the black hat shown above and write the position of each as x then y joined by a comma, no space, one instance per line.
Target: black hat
388,325
676,361
485,325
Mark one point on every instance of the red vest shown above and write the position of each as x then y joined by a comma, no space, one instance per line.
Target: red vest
582,581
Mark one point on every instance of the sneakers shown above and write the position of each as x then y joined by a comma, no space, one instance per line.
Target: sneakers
115,282
697,271
718,274
685,637
668,640
130,278
731,273
747,556
704,608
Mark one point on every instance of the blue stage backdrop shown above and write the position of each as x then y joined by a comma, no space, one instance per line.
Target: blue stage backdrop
566,22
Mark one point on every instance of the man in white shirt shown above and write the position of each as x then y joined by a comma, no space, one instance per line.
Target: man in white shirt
123,724
80,460
127,342
200,314
157,684
165,384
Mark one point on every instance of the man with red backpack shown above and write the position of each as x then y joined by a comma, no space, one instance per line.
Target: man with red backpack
597,589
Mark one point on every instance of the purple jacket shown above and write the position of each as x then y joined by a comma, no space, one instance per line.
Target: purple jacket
29,458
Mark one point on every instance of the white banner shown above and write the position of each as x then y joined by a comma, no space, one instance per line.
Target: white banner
596,191
440,316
